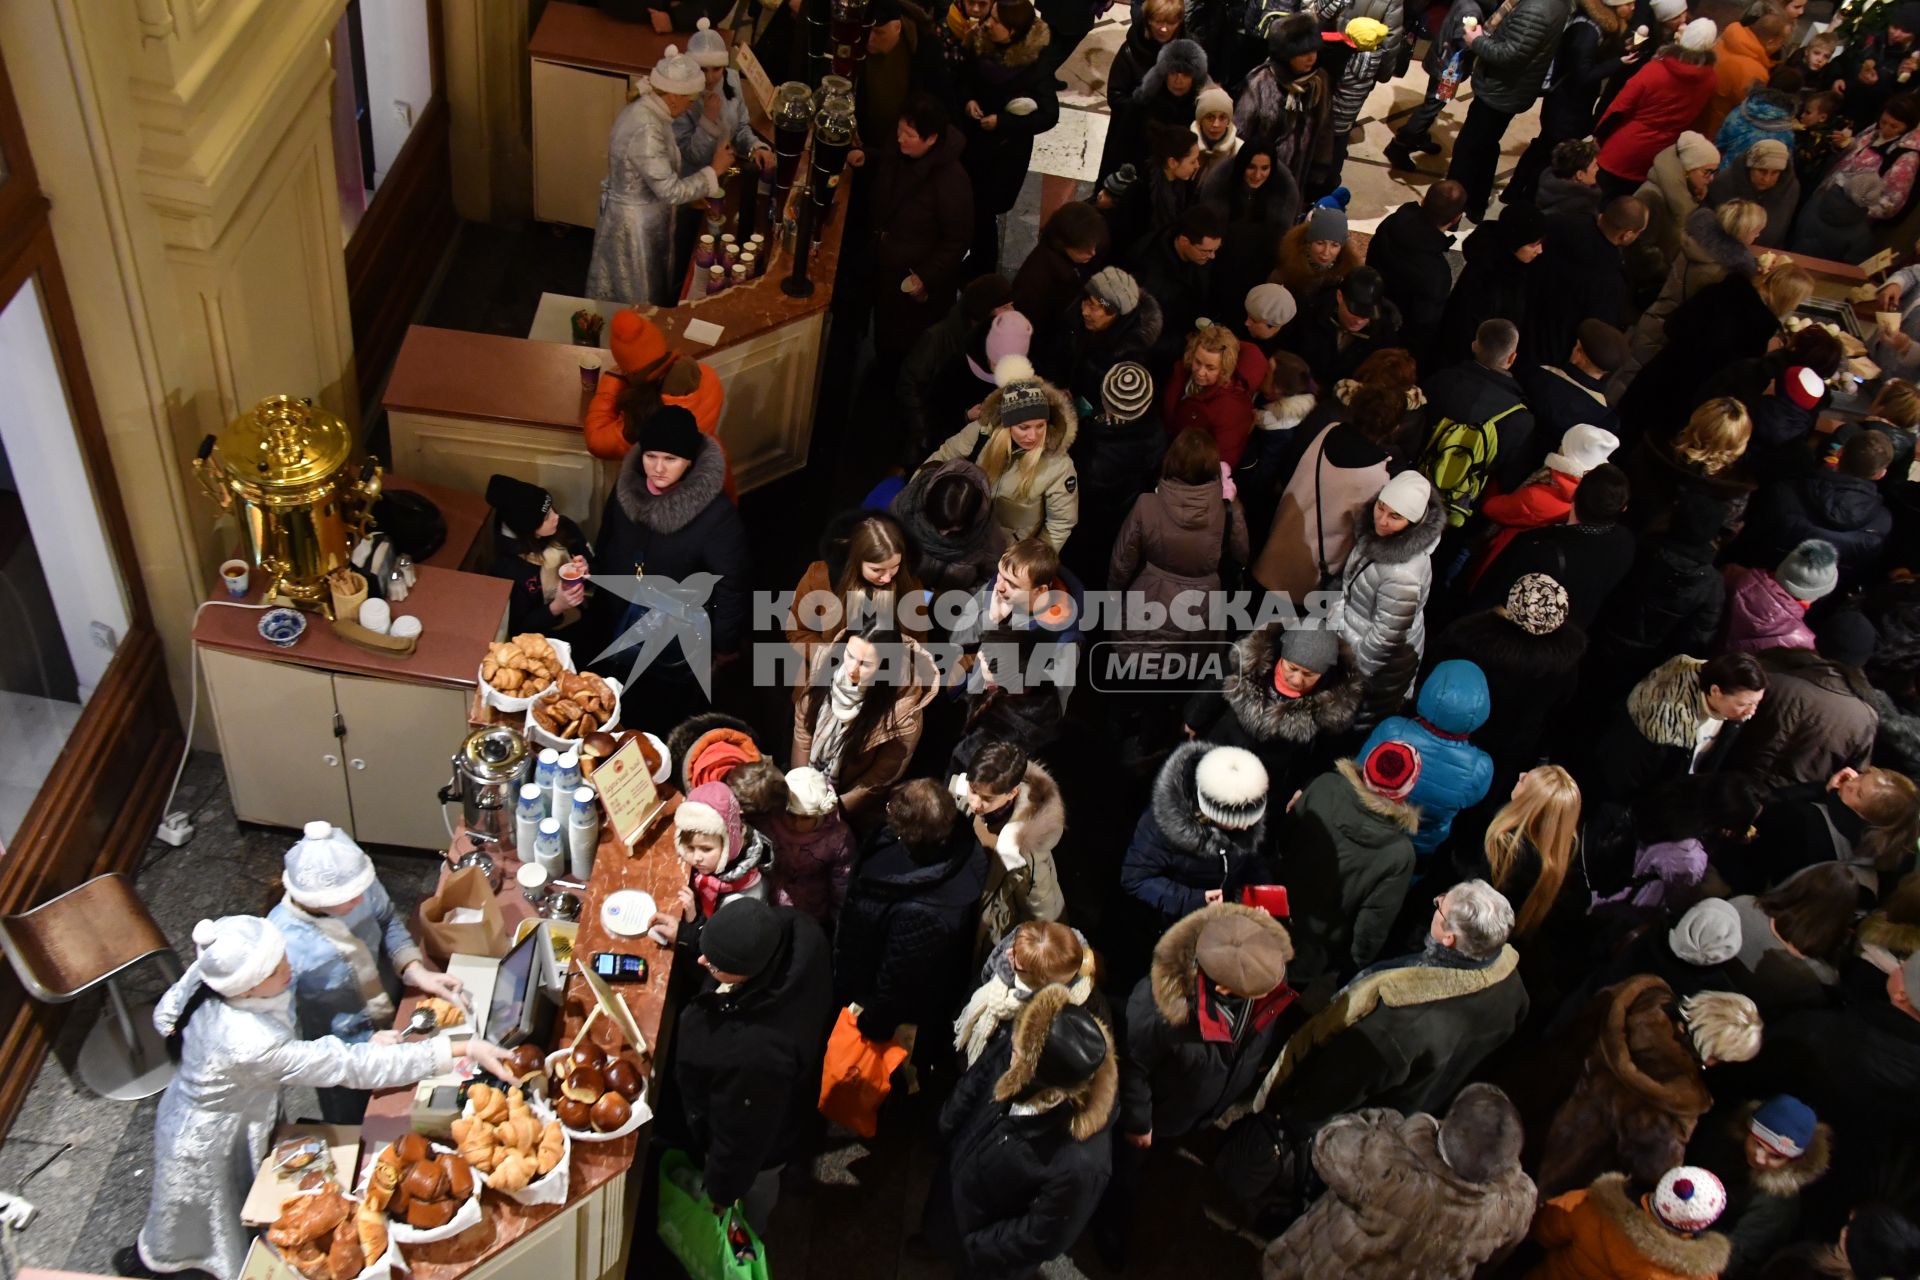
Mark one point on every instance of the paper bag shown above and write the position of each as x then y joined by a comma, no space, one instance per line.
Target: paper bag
486,937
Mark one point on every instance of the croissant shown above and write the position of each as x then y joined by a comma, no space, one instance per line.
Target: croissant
308,1259
445,1012
346,1259
522,1133
513,1173
480,1148
489,1103
553,1145
517,1104
507,680
489,667
373,1234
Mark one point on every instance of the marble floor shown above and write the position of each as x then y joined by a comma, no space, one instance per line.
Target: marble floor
37,729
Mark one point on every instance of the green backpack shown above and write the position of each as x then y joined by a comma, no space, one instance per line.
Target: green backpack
1457,459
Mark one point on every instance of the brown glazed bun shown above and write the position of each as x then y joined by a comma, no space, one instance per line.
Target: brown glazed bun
412,1149
586,1084
526,1060
459,1179
425,1181
623,1078
428,1215
577,1116
587,1055
611,1112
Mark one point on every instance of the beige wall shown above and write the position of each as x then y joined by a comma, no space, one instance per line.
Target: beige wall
184,145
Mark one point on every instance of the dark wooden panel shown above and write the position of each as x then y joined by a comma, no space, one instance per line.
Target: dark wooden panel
394,254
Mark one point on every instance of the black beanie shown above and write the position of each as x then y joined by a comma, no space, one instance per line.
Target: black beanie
1846,637
741,936
671,429
1074,1050
522,506
983,296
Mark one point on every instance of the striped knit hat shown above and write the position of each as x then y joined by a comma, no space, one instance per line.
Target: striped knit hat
1127,391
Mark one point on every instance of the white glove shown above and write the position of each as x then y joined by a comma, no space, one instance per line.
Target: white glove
1022,107
957,788
1008,846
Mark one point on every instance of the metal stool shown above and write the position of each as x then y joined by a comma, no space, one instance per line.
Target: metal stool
80,939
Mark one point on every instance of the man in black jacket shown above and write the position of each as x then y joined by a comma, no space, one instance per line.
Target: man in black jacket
1585,278
1588,556
934,355
1175,266
1483,393
747,1053
1842,506
1344,325
1575,390
1410,253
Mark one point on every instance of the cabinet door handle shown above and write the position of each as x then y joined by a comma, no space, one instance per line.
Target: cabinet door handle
332,762
358,764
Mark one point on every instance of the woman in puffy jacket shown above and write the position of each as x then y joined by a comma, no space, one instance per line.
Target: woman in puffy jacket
1020,441
1212,388
1715,243
1660,102
1383,589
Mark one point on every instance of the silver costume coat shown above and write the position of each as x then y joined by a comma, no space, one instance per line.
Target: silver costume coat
217,1117
639,204
332,987
698,134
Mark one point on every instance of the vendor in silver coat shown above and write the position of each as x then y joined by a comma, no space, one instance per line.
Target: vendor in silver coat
349,949
647,183
234,1012
722,112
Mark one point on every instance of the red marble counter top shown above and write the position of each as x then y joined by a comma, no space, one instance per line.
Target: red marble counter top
460,613
582,36
654,868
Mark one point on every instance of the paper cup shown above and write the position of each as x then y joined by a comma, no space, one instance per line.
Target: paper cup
1889,322
238,576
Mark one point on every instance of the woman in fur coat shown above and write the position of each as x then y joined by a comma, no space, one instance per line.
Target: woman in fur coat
1189,849
1411,1195
1293,692
1287,103
1029,1149
1383,589
1602,1230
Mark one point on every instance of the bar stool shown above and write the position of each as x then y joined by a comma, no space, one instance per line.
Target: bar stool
79,940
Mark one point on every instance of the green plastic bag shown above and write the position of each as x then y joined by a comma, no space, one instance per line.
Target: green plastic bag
710,1246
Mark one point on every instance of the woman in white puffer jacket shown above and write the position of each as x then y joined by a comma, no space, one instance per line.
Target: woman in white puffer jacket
1384,587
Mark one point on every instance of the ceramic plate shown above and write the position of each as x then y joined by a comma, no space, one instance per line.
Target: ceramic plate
627,912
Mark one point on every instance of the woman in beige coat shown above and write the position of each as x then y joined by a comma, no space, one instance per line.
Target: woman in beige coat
1342,470
860,717
1021,440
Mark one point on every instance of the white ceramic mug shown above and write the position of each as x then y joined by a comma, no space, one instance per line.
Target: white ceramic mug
238,576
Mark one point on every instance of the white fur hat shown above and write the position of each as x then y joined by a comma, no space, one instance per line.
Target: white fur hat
708,47
1582,448
1668,10
810,793
676,73
1408,494
1230,784
237,953
325,868
1699,35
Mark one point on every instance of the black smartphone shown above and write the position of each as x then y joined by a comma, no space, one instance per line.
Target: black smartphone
615,967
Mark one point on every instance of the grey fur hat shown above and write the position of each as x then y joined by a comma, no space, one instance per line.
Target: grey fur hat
1182,57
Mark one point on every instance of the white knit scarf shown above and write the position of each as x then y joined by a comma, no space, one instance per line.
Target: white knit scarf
377,1004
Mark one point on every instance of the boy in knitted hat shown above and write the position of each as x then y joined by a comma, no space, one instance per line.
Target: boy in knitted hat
1349,859
1119,441
532,544
1769,610
1604,1230
1766,1154
813,846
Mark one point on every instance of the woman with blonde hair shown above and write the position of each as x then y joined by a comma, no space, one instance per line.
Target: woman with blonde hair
1020,440
1702,462
1867,819
1737,318
1714,244
1036,955
1530,843
1212,389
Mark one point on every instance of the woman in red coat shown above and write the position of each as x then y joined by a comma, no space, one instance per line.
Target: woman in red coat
1212,389
1547,496
1653,109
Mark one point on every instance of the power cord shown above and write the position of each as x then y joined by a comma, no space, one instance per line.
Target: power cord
177,827
16,1212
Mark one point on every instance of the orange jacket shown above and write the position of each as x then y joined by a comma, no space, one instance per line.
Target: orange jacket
1532,506
636,343
1600,1234
1738,61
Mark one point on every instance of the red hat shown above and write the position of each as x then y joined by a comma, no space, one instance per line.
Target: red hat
1391,769
1802,386
636,342
716,754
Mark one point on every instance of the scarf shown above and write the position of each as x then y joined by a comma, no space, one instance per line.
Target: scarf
739,877
842,704
375,1002
1000,998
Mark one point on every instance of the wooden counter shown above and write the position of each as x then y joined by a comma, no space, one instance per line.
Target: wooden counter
580,35
588,1237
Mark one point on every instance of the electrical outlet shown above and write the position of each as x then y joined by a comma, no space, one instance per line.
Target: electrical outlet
405,111
104,636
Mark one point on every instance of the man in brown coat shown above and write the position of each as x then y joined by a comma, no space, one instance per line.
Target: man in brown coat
1411,1195
1642,1088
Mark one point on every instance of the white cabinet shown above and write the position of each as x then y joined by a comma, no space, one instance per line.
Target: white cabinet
573,111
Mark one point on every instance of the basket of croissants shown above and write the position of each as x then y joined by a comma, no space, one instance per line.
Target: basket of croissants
326,1236
576,706
519,669
518,1147
427,1191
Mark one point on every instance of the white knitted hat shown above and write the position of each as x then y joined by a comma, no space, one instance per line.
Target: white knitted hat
1407,494
676,73
325,868
237,953
810,793
708,47
1231,787
1582,448
1699,35
1668,10
1689,1199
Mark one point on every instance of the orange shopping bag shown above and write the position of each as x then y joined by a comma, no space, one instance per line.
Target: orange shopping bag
857,1076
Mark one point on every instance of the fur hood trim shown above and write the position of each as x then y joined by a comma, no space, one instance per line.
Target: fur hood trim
1176,957
1399,812
1286,413
1092,1101
1683,1096
1702,1255
1347,388
675,509
1394,988
1176,807
1022,52
1295,265
1063,423
1611,21
1039,818
1410,543
1806,1169
1668,704
1881,930
1329,708
1499,643
1706,242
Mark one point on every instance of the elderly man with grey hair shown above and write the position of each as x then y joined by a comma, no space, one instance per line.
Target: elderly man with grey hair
1408,1032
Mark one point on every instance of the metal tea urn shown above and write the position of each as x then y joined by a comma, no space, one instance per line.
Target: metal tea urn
288,469
488,771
